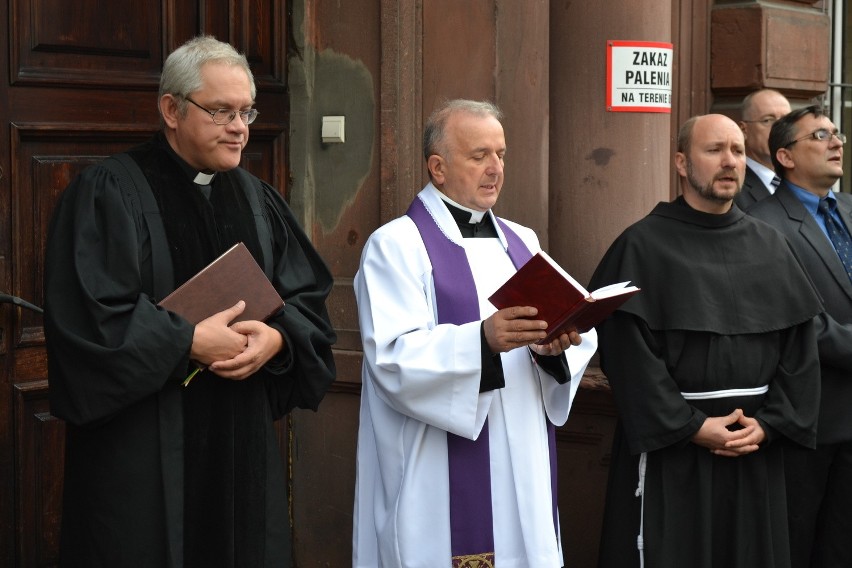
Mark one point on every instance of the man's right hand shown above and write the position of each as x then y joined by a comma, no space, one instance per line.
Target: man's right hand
513,327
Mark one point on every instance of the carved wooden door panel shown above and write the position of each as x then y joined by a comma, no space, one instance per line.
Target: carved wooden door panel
78,81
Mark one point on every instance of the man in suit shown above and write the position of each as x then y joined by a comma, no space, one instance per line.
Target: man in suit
760,110
807,151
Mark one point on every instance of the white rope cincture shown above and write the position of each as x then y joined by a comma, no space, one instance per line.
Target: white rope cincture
640,492
727,393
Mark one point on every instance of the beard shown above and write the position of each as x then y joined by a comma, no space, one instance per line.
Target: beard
708,191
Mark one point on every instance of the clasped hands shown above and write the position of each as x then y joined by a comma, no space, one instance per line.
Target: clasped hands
234,351
515,327
715,435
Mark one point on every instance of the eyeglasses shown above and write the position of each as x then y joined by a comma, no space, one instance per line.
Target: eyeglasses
766,121
820,134
224,116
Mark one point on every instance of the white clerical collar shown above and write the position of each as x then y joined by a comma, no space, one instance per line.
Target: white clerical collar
204,179
475,216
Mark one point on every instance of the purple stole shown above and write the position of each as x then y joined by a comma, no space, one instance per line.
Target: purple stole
471,518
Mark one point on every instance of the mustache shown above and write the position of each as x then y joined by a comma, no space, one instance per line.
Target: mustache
726,173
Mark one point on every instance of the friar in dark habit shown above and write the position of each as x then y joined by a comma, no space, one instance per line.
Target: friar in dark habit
713,368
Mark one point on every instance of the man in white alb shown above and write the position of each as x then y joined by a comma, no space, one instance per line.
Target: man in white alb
456,455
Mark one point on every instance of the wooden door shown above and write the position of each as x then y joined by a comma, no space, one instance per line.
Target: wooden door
78,81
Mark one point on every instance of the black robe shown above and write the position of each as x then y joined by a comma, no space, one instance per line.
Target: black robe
157,474
724,304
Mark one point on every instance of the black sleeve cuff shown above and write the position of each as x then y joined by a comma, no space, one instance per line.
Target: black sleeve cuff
282,362
767,430
492,366
554,365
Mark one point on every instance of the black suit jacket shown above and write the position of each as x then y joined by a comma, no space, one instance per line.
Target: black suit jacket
753,190
785,212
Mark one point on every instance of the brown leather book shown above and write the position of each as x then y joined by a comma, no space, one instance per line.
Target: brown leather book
561,301
232,277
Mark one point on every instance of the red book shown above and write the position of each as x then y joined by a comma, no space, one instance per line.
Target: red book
232,277
561,301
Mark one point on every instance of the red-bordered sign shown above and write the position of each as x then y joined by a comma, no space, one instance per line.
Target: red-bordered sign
638,76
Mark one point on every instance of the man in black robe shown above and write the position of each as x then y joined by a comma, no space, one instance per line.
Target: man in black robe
710,365
157,474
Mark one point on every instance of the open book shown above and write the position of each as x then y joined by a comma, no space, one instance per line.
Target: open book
561,301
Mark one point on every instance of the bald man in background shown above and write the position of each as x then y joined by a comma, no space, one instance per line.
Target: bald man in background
760,110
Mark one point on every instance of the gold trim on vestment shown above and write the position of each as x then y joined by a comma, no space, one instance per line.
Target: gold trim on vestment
485,560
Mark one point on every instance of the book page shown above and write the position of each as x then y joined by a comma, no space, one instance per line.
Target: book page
613,290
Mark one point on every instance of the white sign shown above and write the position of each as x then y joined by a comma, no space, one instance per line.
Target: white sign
638,76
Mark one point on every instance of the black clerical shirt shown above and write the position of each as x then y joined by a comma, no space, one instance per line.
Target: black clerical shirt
492,365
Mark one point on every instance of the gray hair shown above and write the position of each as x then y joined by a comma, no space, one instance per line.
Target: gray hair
182,70
435,131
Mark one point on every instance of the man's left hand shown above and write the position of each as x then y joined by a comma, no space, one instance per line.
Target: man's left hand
262,344
558,345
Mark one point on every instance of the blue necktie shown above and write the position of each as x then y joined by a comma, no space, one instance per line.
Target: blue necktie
838,234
